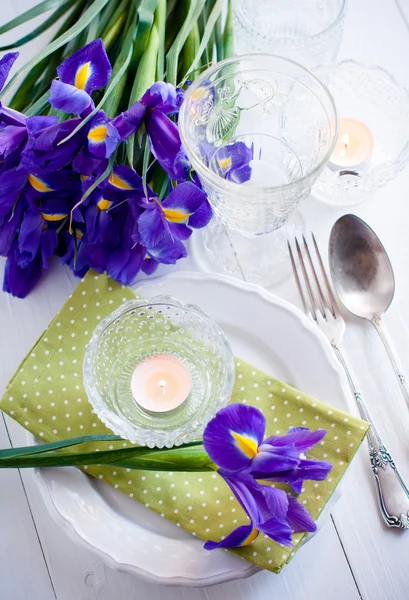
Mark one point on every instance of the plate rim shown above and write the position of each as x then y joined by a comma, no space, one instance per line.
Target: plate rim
233,573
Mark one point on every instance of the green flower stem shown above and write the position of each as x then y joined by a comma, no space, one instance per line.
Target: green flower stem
145,77
189,457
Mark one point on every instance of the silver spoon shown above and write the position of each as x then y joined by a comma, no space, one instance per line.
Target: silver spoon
363,278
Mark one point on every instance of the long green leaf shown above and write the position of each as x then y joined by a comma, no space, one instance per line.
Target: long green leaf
172,57
40,448
228,37
86,18
160,20
107,15
112,103
44,70
37,10
210,25
61,10
38,106
146,15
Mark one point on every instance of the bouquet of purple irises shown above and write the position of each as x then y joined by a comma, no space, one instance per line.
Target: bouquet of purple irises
64,191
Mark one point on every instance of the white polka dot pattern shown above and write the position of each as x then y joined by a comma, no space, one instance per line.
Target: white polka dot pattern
47,397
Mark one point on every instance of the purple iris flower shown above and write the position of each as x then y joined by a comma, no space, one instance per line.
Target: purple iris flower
170,218
159,101
80,74
234,440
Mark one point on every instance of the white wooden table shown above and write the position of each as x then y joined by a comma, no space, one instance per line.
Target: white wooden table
355,555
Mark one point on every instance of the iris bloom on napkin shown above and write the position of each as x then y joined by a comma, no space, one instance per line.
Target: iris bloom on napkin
234,440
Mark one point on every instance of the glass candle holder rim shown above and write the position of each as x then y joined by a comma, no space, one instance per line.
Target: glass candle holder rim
403,155
333,25
133,303
231,186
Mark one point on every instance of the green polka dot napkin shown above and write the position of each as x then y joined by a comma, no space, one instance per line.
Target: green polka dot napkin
47,397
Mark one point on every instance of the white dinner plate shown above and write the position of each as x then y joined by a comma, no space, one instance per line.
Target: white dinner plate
262,329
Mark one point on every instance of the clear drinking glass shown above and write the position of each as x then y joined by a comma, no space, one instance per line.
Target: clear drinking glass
141,329
258,130
307,31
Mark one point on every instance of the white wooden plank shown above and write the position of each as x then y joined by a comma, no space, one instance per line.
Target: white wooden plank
22,565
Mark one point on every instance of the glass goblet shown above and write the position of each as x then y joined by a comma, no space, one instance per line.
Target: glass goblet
307,31
258,130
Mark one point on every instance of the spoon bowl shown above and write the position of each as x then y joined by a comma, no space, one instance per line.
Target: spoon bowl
363,278
360,268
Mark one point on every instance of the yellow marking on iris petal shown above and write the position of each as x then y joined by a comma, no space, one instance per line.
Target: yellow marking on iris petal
38,184
104,204
78,234
225,163
55,217
84,177
82,75
175,216
118,182
147,256
98,134
250,538
246,444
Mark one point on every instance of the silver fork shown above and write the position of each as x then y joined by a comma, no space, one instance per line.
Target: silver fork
321,306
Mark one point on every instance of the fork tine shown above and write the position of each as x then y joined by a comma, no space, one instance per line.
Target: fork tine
332,300
307,281
314,272
297,278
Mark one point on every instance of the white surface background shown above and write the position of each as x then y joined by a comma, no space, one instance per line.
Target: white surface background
354,555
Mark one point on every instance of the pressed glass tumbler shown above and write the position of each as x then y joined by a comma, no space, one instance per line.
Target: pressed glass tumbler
258,130
139,330
307,31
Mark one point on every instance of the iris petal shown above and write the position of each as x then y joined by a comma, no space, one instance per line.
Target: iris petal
88,69
218,438
6,62
298,516
68,98
302,438
202,216
182,202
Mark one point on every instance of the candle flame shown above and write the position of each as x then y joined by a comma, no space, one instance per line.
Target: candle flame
162,385
345,139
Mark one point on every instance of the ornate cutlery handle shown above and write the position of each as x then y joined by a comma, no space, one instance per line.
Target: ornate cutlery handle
393,494
379,325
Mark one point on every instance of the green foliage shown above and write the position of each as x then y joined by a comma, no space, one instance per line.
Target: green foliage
146,40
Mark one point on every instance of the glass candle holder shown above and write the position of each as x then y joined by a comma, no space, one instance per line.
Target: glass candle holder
258,130
307,31
145,348
373,142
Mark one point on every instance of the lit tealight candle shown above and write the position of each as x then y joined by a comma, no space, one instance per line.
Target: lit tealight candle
161,383
354,145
